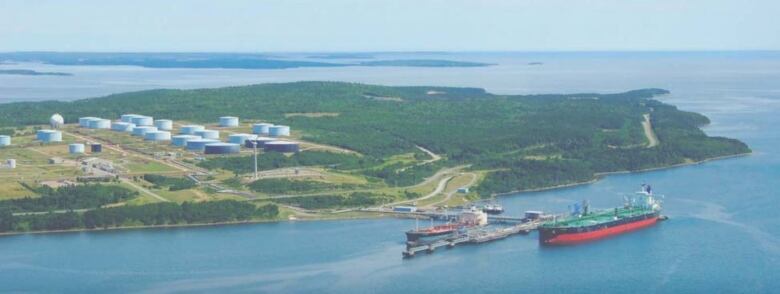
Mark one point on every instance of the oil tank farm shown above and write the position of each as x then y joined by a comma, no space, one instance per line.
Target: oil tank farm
240,139
76,148
5,140
278,130
282,146
141,131
164,124
191,129
84,121
121,126
157,136
142,120
99,123
260,141
128,118
221,148
48,136
181,140
95,147
199,144
228,121
261,128
208,134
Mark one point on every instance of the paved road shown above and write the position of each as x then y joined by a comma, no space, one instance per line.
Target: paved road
142,189
451,193
649,133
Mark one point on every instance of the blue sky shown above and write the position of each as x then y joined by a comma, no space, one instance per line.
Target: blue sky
393,25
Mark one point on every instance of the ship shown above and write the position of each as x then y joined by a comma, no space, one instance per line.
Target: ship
493,208
467,218
583,225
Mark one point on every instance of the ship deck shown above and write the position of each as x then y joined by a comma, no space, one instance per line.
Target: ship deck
598,217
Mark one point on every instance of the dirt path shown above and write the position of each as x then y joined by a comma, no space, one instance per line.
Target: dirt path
451,193
649,133
142,189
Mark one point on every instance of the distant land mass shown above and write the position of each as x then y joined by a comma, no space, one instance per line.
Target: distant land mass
28,72
342,56
209,60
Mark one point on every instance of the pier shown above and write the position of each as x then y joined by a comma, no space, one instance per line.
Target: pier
473,236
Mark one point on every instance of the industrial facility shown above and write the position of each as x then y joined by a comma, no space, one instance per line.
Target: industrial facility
5,140
221,148
199,144
278,131
141,131
282,146
208,134
261,128
157,136
191,129
76,148
56,121
140,120
228,121
259,141
48,136
122,126
181,140
164,124
240,138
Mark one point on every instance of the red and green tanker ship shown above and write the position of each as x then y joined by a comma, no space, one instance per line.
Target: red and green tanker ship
586,226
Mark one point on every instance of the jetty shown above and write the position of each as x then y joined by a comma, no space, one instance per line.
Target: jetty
473,236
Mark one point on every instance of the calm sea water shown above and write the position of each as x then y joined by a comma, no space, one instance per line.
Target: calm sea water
723,235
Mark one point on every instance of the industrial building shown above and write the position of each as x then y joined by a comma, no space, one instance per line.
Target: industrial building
228,121
5,140
98,123
56,121
221,148
240,138
76,148
164,124
157,136
181,140
84,121
122,126
199,144
141,131
191,129
260,141
278,131
282,146
48,136
142,120
261,128
208,134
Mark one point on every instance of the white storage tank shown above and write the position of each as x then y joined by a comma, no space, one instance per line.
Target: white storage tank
181,140
157,136
208,134
191,129
122,126
56,121
278,130
142,120
228,121
11,163
199,144
141,131
164,124
128,118
76,148
221,148
99,123
5,140
261,128
84,121
259,141
48,136
240,138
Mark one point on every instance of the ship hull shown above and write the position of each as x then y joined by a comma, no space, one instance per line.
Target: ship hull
569,236
413,236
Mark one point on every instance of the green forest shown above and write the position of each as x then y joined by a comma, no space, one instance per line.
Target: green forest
525,141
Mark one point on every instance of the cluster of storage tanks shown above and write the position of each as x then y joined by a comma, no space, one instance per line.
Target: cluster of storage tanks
79,148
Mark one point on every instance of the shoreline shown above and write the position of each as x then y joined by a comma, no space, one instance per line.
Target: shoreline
597,177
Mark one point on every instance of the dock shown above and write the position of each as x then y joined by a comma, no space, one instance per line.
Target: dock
473,236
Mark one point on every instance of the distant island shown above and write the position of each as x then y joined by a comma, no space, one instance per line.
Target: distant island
212,60
535,63
342,56
27,72
423,63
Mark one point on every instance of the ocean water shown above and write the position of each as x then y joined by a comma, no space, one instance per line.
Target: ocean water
723,235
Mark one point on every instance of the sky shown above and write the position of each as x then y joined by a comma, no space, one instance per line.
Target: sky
388,25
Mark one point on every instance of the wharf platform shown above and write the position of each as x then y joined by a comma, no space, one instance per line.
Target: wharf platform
472,236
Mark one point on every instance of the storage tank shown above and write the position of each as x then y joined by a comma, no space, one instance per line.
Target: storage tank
99,123
208,134
228,121
142,120
122,126
240,138
56,121
191,129
221,148
84,121
5,140
141,131
181,140
76,148
164,124
199,144
128,118
11,163
276,131
282,146
48,136
259,140
157,136
95,147
261,128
